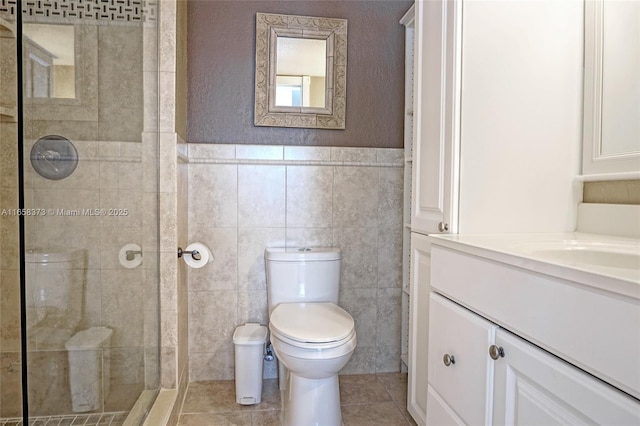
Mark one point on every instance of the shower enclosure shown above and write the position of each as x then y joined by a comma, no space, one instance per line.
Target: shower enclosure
79,302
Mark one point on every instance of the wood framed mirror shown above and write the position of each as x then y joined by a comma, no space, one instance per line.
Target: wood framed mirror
301,71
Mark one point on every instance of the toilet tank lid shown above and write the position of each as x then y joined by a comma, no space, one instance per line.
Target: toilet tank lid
250,334
91,338
308,254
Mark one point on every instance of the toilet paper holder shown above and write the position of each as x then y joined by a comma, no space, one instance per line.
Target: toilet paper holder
131,254
195,254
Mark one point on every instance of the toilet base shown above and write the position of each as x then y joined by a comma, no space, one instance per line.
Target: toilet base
283,376
312,402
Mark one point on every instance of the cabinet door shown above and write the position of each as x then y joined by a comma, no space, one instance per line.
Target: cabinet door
439,412
460,369
418,327
436,116
534,387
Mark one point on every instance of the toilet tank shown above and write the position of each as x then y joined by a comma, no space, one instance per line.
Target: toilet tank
302,275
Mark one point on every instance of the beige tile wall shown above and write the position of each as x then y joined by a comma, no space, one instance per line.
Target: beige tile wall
245,198
10,364
118,172
118,100
612,192
174,363
108,176
183,305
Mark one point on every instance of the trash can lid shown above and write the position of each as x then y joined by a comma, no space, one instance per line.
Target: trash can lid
250,334
91,338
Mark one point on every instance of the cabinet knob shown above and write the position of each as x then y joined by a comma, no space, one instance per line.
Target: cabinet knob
443,226
448,359
496,352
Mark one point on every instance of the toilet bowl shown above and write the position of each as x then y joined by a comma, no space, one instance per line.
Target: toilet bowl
314,341
311,335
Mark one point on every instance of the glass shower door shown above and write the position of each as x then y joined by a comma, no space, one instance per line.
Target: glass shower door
90,235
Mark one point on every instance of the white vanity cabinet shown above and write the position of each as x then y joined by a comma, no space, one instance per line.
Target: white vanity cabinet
459,364
484,314
532,386
420,271
497,115
497,106
523,385
436,108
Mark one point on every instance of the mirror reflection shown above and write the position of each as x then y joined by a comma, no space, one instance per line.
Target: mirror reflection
301,66
301,71
49,61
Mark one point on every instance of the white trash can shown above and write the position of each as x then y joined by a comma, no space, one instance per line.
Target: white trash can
249,341
89,368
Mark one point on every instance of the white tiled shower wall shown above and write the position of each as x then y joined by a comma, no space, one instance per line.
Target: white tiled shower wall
244,198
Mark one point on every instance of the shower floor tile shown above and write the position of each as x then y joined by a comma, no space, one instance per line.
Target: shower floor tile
371,399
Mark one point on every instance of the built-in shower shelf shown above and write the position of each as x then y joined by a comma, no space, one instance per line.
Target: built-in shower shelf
7,28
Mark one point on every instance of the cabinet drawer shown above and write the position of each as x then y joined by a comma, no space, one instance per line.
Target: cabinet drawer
466,382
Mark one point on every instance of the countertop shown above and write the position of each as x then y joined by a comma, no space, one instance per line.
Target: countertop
600,261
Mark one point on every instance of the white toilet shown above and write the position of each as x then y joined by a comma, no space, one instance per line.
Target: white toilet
55,281
311,335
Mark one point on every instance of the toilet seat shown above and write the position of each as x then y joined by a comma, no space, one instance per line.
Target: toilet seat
312,325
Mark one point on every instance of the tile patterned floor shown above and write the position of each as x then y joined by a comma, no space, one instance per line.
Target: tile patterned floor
366,399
